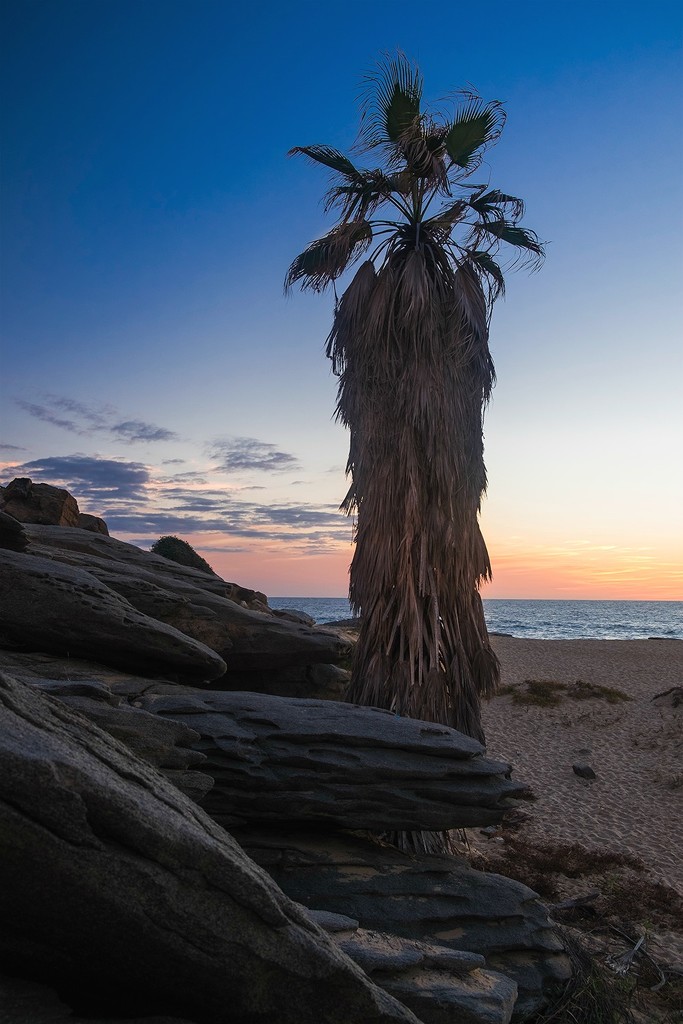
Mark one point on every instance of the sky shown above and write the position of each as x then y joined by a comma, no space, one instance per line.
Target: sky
152,364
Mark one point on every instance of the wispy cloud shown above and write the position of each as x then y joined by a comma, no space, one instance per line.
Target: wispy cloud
237,454
85,420
11,447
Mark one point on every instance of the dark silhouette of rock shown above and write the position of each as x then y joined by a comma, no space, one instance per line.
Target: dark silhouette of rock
201,606
39,503
294,615
52,607
279,759
583,770
120,893
12,534
433,899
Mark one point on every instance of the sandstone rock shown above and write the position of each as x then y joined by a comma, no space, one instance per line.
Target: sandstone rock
124,896
583,770
39,503
434,899
161,742
199,605
12,534
279,759
47,606
92,523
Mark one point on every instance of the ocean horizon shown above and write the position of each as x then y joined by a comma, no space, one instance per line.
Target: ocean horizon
541,619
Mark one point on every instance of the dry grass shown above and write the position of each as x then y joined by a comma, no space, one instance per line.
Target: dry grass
547,693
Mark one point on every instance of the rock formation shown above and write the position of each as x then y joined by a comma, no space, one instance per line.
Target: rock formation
120,892
279,759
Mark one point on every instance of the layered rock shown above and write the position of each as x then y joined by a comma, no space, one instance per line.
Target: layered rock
48,606
282,760
163,743
432,899
12,534
441,985
201,606
90,834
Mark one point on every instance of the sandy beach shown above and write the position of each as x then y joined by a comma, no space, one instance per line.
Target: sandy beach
635,747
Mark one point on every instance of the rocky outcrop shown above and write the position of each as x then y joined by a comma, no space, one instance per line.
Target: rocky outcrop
201,606
163,743
432,899
12,534
48,606
39,503
90,834
280,760
439,984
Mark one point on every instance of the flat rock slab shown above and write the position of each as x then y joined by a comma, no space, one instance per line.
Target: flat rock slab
283,760
433,899
130,901
51,607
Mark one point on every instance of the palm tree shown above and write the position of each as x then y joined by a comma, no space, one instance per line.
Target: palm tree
409,343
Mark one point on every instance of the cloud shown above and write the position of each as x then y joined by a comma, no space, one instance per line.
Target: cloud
237,454
85,420
11,447
137,430
172,462
90,476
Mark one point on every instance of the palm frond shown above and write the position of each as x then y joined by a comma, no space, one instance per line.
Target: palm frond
521,238
498,204
391,101
326,258
490,271
327,156
359,197
475,126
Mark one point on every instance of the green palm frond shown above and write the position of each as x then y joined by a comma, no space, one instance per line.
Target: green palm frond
496,203
477,125
328,257
327,156
391,103
521,238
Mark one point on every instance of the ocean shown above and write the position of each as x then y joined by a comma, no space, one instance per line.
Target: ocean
542,620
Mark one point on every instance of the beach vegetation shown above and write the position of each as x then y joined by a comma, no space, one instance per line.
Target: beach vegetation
177,550
547,693
409,344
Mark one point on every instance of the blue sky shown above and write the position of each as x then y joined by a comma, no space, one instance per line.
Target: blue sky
149,212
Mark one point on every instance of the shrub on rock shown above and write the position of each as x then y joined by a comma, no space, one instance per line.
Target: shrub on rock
177,550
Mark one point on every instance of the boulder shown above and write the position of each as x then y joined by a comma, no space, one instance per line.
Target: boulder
128,900
283,760
39,503
434,899
92,523
51,607
199,605
12,534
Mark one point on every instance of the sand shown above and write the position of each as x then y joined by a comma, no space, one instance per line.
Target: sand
635,803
